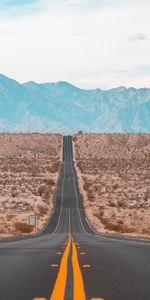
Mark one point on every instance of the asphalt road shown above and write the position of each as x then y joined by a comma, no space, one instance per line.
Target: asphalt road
67,260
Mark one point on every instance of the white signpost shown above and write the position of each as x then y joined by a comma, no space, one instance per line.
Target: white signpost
32,220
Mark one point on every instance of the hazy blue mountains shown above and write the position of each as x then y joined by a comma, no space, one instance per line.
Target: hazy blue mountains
63,108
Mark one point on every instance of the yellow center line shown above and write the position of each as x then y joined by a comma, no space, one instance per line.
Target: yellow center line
60,284
58,292
79,292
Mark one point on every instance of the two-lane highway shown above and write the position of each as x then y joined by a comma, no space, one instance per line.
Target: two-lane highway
68,260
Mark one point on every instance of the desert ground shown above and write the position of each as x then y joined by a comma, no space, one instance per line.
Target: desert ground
114,178
29,167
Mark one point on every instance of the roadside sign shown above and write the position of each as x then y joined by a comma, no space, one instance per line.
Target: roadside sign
32,220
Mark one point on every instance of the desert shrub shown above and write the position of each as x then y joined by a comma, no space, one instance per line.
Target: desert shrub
27,206
120,222
115,185
80,165
45,191
118,227
121,203
55,167
146,230
49,182
34,173
46,195
112,204
14,194
129,229
41,210
111,226
86,186
23,227
74,138
41,190
90,196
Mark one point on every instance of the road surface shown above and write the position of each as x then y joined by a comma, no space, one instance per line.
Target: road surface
68,260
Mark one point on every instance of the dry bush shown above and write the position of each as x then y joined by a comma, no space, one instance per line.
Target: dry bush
74,139
34,173
118,227
41,210
41,190
90,196
115,185
121,203
49,182
46,195
23,227
80,165
55,167
44,191
14,194
112,204
86,186
111,226
146,230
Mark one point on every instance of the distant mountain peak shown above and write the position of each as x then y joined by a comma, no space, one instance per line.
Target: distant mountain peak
30,83
66,84
119,89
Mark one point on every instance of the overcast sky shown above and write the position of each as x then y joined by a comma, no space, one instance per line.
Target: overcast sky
90,43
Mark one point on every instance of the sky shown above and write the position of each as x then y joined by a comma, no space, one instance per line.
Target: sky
89,43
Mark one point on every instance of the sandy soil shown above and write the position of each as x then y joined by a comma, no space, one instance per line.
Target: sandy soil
114,178
29,165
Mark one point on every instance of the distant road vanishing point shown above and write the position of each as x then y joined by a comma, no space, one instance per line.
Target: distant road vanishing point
68,260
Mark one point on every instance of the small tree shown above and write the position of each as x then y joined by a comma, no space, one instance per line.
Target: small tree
80,132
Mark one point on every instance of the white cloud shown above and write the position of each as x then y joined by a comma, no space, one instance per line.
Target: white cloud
61,40
137,37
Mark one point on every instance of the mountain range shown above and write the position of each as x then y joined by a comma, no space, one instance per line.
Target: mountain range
63,108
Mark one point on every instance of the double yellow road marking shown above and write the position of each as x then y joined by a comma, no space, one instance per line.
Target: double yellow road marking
79,292
58,292
61,281
60,285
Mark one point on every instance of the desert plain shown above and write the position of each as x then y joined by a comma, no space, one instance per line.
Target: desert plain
114,179
29,169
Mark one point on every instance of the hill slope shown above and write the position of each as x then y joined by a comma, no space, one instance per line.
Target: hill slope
61,107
